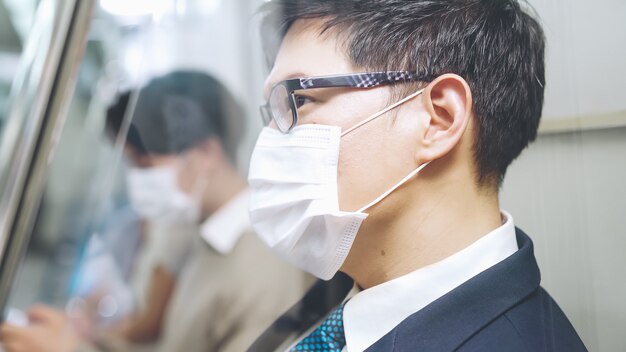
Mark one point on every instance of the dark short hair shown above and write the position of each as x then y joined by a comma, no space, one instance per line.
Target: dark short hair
115,115
495,45
176,111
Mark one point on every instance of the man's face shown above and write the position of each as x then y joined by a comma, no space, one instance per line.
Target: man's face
373,157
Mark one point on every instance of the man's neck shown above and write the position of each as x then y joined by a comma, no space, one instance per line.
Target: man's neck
226,185
420,235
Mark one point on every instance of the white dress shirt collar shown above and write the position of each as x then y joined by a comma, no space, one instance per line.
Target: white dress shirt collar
223,229
371,314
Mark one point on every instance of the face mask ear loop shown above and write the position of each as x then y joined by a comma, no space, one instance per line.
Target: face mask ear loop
378,114
403,181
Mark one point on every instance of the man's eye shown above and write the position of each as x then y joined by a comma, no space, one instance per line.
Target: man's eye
302,99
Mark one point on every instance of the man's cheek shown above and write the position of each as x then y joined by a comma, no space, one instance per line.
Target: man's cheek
354,175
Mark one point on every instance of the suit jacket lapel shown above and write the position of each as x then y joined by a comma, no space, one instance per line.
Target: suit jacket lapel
449,321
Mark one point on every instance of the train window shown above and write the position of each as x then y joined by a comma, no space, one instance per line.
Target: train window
144,208
16,18
26,52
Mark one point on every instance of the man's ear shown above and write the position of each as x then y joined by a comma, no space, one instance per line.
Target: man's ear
448,102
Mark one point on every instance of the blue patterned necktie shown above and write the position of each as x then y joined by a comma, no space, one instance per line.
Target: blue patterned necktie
328,337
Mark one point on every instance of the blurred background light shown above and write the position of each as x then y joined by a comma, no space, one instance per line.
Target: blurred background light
135,8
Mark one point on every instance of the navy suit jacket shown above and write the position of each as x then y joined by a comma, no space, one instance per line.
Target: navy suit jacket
501,309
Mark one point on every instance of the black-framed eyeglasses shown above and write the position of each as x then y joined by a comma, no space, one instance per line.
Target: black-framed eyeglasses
282,106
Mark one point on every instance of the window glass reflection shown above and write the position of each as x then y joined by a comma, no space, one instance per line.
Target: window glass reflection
143,239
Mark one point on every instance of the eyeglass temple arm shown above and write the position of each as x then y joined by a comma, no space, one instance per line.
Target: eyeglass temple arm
358,80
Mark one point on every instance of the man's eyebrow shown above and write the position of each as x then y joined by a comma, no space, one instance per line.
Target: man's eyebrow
289,76
292,75
296,75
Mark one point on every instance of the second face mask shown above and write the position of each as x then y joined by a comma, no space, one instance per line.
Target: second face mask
154,194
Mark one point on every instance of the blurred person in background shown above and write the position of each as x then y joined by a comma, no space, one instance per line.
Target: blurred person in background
216,286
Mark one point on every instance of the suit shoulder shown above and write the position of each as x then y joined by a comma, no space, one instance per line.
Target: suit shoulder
535,324
542,324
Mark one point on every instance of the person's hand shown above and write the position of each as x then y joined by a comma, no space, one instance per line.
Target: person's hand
122,328
48,331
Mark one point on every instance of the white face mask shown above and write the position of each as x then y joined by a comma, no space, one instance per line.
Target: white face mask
154,194
294,203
